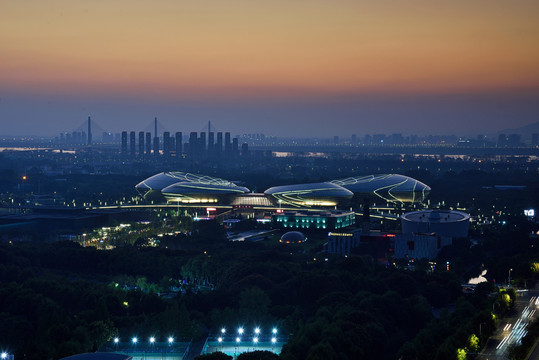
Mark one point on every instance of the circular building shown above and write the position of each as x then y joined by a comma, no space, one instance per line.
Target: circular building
306,195
389,187
293,237
442,222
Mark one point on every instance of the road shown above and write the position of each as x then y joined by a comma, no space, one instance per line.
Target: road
512,328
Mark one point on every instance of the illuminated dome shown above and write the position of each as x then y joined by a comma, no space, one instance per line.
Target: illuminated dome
390,187
316,194
192,192
187,187
293,237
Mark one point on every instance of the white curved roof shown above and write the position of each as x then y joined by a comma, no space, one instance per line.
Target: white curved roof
165,179
390,187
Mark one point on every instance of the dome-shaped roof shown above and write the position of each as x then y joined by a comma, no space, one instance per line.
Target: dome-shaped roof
293,237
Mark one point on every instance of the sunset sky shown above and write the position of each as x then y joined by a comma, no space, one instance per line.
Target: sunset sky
316,67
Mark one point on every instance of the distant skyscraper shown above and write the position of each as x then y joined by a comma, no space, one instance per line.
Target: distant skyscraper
202,142
219,144
211,141
166,143
235,149
148,143
156,145
171,145
89,131
228,145
124,143
535,139
244,149
193,144
155,128
132,143
141,143
179,143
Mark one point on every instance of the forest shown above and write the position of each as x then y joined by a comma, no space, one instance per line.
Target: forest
59,299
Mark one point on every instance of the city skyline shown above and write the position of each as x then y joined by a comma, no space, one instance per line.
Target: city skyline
306,68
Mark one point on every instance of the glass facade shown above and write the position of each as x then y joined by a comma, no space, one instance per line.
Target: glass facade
329,221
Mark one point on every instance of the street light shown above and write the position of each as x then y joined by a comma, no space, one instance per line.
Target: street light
240,331
509,278
4,355
274,331
134,340
170,339
223,330
257,331
116,340
152,340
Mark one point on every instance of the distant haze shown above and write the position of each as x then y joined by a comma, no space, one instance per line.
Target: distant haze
300,68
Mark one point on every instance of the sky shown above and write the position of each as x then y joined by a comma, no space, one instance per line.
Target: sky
280,67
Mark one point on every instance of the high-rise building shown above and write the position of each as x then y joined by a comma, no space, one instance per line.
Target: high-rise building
132,146
156,145
235,147
244,149
124,143
141,143
202,143
219,144
166,143
211,141
535,139
193,144
171,145
148,143
179,143
228,144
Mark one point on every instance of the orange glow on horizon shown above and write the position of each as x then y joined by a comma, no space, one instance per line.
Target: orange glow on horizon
170,48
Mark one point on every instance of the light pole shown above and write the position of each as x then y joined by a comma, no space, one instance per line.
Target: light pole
509,278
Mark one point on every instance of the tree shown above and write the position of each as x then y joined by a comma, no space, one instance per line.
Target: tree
258,355
473,343
218,355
